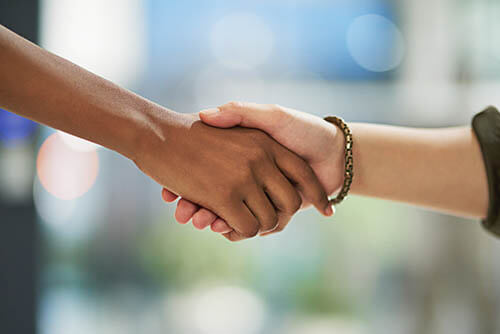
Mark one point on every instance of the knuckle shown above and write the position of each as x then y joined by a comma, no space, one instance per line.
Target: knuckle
257,156
229,196
234,104
229,193
246,175
238,183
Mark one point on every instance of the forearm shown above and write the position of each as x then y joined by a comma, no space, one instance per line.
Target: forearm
50,90
440,169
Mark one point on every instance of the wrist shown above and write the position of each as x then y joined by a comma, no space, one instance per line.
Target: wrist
158,130
145,130
336,161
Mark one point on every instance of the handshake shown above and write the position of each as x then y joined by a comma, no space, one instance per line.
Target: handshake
246,179
245,169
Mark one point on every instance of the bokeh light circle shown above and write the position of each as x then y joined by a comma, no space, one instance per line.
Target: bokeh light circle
53,211
65,173
241,41
375,43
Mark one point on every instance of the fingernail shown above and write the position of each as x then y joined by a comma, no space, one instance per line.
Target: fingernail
209,112
330,210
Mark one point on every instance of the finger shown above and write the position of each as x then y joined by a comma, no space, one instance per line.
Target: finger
233,236
244,224
220,226
262,208
269,233
229,237
250,115
203,218
285,198
282,193
168,196
283,222
185,211
299,172
219,119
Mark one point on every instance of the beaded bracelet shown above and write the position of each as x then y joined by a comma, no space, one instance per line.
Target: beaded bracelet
349,162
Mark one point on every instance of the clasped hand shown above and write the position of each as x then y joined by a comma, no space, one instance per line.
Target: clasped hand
247,182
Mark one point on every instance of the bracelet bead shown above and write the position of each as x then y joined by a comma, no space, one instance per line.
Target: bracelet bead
349,161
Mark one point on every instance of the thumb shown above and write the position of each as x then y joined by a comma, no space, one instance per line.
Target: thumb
220,118
249,115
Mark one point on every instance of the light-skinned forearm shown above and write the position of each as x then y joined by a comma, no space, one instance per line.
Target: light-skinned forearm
440,169
53,91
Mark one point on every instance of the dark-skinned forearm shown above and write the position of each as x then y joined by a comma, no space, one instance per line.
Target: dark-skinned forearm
53,91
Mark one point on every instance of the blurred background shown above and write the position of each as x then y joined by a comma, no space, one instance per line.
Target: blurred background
87,246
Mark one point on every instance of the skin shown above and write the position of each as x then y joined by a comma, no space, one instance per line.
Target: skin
439,169
241,175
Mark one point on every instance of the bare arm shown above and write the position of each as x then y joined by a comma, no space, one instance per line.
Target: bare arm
50,90
441,169
237,181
